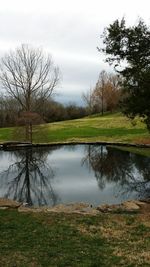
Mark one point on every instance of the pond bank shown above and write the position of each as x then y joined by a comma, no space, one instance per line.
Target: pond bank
141,206
19,145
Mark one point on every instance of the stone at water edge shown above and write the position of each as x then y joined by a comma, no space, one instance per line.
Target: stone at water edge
31,209
8,203
81,208
140,202
130,205
107,207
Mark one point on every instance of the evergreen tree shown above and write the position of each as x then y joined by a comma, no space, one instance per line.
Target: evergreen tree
128,49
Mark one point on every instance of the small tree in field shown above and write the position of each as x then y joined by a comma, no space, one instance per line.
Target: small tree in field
27,75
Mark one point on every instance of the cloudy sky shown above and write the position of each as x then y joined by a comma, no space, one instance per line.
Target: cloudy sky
70,31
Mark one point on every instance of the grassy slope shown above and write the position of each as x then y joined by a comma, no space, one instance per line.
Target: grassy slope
59,240
112,127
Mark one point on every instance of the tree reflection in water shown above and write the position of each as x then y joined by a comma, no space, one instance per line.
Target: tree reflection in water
129,171
29,178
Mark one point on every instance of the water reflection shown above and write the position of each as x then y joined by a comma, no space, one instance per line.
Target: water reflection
129,171
91,173
28,179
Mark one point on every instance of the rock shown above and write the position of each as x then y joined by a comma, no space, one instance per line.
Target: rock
147,200
68,207
130,205
27,209
4,208
81,208
108,208
139,202
103,207
125,206
8,203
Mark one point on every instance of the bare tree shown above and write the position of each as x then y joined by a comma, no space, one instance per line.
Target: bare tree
28,75
88,100
100,87
107,91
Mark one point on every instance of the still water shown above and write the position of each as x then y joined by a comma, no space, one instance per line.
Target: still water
93,174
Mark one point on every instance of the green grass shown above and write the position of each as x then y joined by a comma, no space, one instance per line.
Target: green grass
110,127
7,134
61,240
141,151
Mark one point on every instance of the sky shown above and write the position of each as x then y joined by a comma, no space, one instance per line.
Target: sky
70,31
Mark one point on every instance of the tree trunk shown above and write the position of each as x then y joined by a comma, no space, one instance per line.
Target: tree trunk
29,132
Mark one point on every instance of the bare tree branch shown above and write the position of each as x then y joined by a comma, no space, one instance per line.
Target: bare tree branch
28,74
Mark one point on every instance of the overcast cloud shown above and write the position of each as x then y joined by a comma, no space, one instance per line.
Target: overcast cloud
69,30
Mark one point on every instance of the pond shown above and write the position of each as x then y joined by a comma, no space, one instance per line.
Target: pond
93,174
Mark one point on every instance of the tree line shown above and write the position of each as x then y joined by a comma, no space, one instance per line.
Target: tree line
11,113
105,96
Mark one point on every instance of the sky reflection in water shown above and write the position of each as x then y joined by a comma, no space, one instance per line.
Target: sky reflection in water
81,173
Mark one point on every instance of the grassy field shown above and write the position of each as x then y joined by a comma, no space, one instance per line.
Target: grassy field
110,127
56,240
